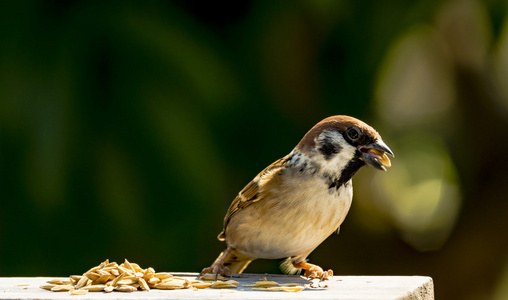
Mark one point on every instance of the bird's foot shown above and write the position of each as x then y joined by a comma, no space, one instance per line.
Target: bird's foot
313,271
217,269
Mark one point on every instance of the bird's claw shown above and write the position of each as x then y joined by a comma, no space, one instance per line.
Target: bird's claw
313,271
321,275
217,269
317,272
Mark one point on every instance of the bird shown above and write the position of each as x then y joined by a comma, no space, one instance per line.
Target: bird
298,201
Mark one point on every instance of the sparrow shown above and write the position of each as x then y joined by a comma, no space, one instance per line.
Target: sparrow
298,201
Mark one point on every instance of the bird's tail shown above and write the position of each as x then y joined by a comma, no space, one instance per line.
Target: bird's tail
235,261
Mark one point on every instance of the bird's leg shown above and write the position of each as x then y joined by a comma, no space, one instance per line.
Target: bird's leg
313,271
218,267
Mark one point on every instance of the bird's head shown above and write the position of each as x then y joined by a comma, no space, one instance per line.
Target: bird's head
344,144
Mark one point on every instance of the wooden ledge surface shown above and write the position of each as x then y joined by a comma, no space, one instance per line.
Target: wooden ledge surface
339,287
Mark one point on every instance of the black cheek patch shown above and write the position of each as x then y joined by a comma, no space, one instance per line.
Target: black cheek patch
328,149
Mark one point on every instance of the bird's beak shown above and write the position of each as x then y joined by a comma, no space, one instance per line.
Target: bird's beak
374,155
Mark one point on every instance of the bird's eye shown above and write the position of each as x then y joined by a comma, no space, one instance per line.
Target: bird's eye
353,134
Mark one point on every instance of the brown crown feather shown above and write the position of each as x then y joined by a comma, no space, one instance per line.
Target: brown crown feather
340,123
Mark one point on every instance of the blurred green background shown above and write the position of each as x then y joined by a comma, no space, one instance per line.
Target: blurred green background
127,128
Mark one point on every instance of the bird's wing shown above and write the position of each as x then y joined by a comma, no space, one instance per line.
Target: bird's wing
251,192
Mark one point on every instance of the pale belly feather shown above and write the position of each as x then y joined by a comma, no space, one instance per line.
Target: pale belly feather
276,228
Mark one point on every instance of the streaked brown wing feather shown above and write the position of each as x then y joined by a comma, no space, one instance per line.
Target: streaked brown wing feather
250,193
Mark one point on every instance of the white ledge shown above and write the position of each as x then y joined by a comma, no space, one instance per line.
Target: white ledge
339,287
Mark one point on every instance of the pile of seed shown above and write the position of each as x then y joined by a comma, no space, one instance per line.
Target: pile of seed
126,277
130,277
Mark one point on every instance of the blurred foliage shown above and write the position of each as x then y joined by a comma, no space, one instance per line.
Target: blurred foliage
127,127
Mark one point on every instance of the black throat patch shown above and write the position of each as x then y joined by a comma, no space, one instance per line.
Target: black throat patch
349,171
